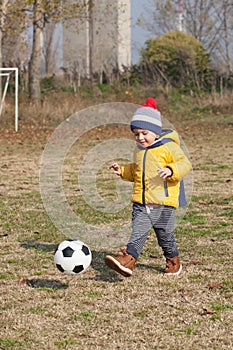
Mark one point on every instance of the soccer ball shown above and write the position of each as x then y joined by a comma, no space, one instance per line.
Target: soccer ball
72,257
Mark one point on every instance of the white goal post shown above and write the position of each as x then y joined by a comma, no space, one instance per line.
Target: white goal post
7,72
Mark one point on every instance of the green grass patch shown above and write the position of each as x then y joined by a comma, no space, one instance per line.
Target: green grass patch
12,344
228,285
65,343
3,276
195,219
190,331
85,315
93,295
140,314
226,212
48,290
219,306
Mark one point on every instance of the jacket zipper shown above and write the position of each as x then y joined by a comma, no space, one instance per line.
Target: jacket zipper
143,177
165,188
143,180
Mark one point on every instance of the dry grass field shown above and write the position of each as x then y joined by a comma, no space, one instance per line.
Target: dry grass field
44,309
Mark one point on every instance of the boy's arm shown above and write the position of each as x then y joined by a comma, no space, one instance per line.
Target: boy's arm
127,172
179,163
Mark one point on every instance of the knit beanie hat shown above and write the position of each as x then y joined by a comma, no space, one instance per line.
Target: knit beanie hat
147,117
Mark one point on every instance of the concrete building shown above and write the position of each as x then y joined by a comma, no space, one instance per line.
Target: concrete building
100,44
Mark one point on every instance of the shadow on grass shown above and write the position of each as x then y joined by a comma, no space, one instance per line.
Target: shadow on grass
149,267
104,273
44,247
45,284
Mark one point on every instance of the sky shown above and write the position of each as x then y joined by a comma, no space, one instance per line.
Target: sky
138,35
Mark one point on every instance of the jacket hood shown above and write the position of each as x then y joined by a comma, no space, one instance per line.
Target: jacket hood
170,134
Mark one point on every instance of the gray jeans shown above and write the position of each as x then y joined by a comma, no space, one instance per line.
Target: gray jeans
162,219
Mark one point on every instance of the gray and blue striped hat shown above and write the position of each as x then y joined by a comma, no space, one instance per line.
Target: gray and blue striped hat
147,117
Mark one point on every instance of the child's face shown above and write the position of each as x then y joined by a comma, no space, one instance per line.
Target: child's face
144,137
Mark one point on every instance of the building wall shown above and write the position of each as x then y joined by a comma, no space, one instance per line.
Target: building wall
102,43
124,33
75,53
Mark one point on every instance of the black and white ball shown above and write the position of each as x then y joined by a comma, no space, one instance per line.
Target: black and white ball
72,257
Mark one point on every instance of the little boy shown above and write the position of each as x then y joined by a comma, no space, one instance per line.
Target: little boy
158,168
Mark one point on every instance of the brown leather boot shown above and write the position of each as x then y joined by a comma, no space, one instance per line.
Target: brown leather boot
122,263
173,266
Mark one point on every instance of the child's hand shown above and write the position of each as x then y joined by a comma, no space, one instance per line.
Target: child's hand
117,169
164,172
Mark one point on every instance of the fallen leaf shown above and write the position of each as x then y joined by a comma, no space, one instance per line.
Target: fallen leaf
214,285
193,262
22,280
203,201
208,312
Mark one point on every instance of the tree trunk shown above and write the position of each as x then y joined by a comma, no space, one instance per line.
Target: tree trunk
35,60
90,19
2,25
226,19
51,48
0,65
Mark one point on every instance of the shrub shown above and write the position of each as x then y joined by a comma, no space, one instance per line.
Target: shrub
177,59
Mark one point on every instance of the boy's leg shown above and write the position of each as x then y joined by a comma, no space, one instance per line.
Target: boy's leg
141,224
164,229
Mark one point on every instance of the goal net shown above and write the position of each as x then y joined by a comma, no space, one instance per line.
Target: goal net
8,73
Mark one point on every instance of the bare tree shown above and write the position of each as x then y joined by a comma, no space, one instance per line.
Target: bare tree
4,7
102,43
52,37
223,51
3,10
35,60
44,11
11,25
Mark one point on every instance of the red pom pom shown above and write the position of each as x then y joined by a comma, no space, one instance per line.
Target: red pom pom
150,102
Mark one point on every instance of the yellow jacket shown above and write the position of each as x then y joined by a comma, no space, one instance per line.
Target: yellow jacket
149,187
